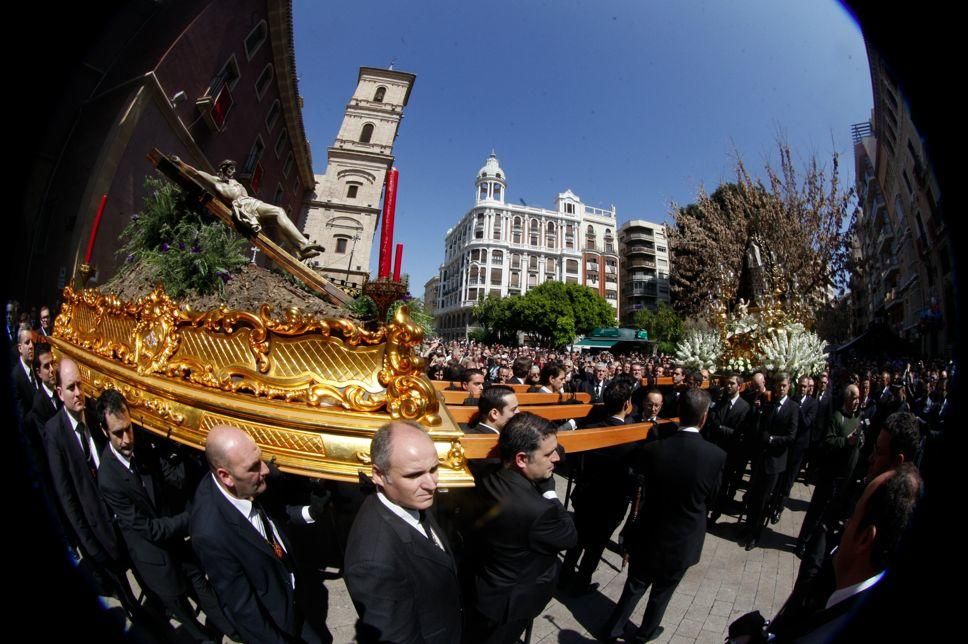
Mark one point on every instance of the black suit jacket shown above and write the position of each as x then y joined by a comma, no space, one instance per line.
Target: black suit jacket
252,584
727,423
76,489
778,429
403,586
808,417
519,541
589,388
23,390
154,534
681,474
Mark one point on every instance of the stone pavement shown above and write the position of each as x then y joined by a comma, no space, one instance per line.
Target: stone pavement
726,583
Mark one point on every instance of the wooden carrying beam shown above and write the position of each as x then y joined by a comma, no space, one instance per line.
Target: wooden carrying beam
581,440
458,397
174,171
551,412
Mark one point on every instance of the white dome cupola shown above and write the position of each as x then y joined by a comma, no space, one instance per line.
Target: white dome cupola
491,182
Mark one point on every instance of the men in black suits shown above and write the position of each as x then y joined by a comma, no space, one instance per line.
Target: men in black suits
246,555
22,375
496,406
521,533
134,488
680,476
602,495
728,427
797,451
595,385
671,398
776,430
44,329
45,405
73,441
398,567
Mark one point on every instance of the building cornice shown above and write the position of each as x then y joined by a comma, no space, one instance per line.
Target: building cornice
284,62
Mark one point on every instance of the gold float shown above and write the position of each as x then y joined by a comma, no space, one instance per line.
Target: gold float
310,390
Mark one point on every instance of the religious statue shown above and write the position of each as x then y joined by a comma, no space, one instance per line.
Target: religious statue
249,212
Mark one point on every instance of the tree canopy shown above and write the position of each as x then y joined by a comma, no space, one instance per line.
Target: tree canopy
553,313
799,219
664,325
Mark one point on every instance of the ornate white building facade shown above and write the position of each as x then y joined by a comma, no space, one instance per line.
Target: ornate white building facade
345,207
504,249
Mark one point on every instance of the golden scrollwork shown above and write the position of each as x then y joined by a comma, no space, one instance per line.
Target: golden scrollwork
455,459
409,394
292,356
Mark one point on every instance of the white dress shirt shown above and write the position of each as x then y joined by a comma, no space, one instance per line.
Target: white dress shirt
80,439
410,517
840,595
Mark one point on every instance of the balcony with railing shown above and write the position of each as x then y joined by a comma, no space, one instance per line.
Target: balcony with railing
640,249
639,263
644,234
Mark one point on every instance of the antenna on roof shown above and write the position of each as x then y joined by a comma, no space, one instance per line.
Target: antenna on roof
522,201
392,61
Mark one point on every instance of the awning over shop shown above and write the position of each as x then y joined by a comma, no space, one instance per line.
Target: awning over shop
596,343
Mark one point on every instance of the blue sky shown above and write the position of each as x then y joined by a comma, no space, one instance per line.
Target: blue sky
629,103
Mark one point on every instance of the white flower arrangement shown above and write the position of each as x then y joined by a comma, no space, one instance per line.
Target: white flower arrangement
699,350
794,350
739,365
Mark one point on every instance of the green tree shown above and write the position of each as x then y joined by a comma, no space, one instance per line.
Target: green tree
798,217
664,325
553,313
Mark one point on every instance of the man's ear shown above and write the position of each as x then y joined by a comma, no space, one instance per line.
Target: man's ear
224,477
378,476
521,460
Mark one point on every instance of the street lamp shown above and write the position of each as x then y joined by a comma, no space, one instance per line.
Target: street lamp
349,264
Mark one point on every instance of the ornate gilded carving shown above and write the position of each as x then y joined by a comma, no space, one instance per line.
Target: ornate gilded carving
455,456
292,357
409,394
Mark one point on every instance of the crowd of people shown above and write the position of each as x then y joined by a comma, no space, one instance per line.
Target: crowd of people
480,565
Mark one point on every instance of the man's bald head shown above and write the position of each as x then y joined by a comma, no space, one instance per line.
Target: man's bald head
70,389
222,442
236,461
405,464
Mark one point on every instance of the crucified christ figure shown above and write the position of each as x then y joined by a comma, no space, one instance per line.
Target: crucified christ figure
251,212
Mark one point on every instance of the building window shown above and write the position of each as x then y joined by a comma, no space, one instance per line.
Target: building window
262,83
482,195
497,191
367,133
351,191
532,279
281,141
534,232
533,263
515,260
571,266
341,243
570,208
516,231
255,39
380,93
255,155
272,117
497,257
515,280
551,236
496,233
496,274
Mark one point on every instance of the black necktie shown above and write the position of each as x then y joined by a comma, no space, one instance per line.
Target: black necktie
86,447
425,524
277,548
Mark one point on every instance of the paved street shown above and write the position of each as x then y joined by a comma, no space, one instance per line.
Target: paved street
725,584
